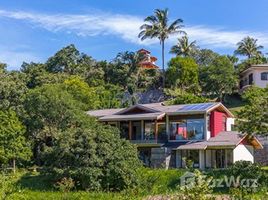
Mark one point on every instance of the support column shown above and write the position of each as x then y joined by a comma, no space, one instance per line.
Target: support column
130,130
167,127
156,129
142,129
201,159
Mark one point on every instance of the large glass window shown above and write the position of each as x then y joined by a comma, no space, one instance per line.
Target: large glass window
190,157
136,130
264,76
190,129
124,130
162,131
149,128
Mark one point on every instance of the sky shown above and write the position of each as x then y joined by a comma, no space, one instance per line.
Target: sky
33,30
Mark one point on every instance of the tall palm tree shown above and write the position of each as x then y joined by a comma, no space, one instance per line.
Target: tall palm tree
157,26
248,47
184,47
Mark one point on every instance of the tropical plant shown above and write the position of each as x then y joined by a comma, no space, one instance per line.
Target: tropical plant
184,47
157,26
183,73
249,47
254,116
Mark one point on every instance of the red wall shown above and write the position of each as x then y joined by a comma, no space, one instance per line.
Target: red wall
216,122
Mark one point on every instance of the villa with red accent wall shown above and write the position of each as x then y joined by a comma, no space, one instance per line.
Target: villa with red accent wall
171,136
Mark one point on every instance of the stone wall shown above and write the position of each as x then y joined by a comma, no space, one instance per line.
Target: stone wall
261,155
161,157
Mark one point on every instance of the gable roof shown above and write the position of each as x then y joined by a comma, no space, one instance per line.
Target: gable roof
224,139
182,109
103,112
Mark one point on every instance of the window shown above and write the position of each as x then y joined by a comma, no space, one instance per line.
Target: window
195,129
190,129
124,130
250,79
264,76
162,131
136,130
178,130
190,157
149,130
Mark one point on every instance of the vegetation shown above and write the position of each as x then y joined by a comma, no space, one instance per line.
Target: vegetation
254,116
249,47
157,26
184,47
43,121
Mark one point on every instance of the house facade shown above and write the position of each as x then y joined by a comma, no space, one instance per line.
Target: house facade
255,75
178,135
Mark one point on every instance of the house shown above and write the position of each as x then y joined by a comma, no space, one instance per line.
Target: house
255,75
149,61
169,136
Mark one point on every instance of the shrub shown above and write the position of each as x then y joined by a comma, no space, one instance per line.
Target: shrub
94,157
198,188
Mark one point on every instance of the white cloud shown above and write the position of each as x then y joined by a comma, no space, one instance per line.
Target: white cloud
15,58
127,28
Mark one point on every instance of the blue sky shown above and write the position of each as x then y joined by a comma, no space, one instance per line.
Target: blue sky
33,30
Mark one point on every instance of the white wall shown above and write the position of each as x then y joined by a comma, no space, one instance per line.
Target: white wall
243,152
256,77
229,122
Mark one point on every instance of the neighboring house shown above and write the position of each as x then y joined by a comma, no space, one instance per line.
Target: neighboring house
169,136
148,61
255,75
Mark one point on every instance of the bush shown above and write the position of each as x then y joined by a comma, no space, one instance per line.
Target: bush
199,188
95,157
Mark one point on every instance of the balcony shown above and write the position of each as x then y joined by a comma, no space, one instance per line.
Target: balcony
151,140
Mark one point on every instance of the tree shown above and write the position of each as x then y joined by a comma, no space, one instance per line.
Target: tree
157,26
249,47
94,157
82,92
204,57
254,116
184,47
13,144
219,78
183,73
12,91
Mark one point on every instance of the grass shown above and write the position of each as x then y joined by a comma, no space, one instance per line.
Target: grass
234,103
153,182
30,185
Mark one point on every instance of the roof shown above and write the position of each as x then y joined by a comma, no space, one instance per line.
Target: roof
103,112
225,139
157,108
143,116
258,66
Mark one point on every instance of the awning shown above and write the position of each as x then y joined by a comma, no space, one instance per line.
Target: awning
144,116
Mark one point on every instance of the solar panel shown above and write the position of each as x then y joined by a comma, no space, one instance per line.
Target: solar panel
196,107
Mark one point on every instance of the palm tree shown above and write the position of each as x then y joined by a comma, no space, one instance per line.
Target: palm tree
157,26
184,47
248,47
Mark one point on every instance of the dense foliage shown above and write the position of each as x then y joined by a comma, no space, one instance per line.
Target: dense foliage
254,116
43,105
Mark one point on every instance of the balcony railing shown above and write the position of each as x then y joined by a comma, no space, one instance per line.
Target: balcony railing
161,138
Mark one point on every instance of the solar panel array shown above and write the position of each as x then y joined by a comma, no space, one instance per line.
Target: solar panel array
196,107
